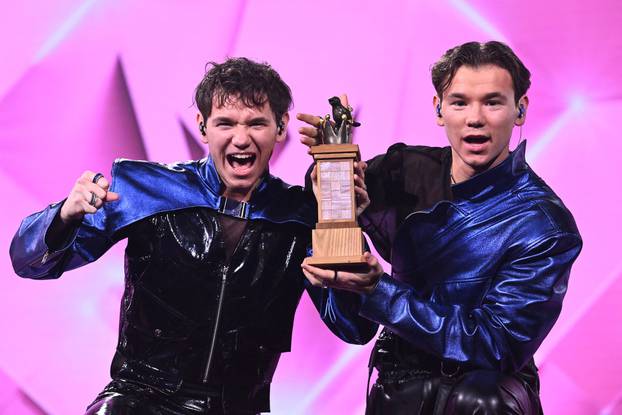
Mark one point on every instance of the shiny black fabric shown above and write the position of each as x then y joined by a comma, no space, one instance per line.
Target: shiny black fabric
121,397
479,269
174,279
406,179
411,381
477,392
199,332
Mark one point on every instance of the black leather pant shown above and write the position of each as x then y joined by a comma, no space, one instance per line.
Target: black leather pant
127,398
480,392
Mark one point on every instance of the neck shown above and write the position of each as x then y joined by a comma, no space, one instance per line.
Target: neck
461,171
238,195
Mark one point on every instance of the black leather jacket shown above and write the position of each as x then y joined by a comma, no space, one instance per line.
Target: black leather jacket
181,295
191,318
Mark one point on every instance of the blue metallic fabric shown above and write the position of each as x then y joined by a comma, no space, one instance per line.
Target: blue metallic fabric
146,189
180,183
480,279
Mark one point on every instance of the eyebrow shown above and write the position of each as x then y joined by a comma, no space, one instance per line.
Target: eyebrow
222,119
232,121
456,95
257,119
491,95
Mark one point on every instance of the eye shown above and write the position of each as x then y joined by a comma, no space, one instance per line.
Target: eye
257,124
224,124
493,102
458,103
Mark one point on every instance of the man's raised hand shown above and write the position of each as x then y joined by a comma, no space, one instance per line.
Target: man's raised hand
89,193
310,134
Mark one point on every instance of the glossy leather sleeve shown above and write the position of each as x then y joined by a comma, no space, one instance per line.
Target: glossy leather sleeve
32,258
517,311
340,312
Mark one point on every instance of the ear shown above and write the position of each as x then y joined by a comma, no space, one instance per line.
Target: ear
436,101
199,121
284,121
524,102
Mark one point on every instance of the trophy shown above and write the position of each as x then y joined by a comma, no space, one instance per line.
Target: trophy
337,240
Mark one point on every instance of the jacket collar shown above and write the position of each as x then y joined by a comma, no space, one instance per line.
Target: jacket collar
265,201
214,183
495,180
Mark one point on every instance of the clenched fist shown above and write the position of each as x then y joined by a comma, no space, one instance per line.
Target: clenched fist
88,194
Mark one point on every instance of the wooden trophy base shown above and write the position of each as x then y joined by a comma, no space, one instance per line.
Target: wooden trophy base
337,240
338,248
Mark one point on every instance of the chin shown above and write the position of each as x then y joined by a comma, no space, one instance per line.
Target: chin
240,185
479,164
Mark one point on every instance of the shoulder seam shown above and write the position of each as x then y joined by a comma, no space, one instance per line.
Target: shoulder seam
548,235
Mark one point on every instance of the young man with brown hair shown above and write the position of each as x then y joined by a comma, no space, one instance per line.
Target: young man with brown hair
212,275
480,248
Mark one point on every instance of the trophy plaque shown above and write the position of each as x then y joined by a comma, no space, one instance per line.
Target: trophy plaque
337,240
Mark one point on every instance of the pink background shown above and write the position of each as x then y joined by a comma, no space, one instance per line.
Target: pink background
85,81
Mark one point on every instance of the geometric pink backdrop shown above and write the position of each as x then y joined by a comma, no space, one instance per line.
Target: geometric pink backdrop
83,82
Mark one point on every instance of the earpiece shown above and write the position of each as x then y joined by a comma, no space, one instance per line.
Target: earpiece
438,111
279,128
202,128
521,111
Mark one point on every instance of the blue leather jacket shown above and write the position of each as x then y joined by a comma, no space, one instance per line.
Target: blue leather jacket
146,189
479,276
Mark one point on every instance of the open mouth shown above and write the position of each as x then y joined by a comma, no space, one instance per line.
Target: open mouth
241,161
476,139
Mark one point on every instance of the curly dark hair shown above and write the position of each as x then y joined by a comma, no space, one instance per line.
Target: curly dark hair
240,78
476,54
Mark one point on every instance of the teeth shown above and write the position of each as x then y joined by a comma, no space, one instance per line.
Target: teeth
242,156
241,159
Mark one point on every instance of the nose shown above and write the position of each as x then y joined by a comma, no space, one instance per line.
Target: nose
241,138
475,117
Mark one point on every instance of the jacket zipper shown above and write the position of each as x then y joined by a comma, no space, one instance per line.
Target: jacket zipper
212,346
210,356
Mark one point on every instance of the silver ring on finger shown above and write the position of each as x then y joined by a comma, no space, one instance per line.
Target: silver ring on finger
93,200
97,177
